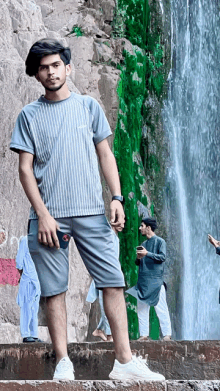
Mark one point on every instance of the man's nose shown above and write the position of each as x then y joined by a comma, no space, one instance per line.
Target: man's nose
50,70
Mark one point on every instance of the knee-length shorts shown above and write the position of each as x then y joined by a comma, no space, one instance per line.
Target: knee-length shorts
97,244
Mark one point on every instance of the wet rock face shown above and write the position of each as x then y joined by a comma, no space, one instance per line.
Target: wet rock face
22,22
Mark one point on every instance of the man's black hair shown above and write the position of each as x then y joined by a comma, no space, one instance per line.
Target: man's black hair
42,48
150,222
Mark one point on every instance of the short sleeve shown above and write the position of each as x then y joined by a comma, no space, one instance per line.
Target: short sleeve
100,126
218,250
21,137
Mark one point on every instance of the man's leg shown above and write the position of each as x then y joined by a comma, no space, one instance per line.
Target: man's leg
57,324
105,322
25,318
34,319
115,309
163,313
143,310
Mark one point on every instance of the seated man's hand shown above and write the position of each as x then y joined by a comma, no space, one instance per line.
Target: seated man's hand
141,253
213,241
117,218
47,231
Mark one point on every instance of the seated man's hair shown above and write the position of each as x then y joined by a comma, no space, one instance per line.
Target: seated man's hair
42,48
148,221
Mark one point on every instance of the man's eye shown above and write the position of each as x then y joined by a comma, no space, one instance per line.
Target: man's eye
56,65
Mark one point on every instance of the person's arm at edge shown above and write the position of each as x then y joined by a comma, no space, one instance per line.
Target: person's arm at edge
110,172
47,226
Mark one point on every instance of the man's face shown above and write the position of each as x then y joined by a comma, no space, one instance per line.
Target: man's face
52,72
143,228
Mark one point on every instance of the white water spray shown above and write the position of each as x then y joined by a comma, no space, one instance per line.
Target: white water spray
192,123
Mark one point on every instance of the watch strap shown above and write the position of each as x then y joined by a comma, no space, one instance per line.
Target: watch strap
119,198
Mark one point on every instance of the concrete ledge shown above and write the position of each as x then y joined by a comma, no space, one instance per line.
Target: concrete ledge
177,360
193,385
174,385
81,386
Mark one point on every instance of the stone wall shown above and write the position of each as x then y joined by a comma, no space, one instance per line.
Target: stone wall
22,22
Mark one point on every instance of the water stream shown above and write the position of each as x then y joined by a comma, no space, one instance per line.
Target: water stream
192,124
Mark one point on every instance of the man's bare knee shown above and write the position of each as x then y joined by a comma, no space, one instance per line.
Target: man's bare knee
56,298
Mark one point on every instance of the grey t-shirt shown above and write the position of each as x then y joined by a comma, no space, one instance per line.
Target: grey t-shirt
62,136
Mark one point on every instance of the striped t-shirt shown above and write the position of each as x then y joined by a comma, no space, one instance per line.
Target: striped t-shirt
62,136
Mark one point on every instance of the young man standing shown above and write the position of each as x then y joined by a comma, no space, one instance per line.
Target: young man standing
150,290
57,138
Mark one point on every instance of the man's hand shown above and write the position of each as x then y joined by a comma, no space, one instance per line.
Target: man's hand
141,253
47,231
117,218
213,241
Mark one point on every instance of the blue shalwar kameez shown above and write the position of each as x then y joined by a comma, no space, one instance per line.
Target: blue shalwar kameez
29,292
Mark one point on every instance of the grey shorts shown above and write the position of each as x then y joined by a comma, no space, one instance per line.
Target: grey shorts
97,244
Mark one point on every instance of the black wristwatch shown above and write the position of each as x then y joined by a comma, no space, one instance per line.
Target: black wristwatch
119,198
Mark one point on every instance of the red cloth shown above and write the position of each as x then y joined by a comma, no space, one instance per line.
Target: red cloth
8,272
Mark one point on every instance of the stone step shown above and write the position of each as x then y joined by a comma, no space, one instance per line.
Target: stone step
176,360
47,385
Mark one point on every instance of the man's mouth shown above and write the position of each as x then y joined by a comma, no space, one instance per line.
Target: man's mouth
53,79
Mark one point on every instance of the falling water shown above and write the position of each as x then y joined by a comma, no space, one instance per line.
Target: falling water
192,123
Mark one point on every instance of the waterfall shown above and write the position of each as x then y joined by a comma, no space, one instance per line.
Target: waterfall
192,125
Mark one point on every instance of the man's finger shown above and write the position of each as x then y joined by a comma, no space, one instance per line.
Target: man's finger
50,240
44,238
39,237
55,240
112,215
115,224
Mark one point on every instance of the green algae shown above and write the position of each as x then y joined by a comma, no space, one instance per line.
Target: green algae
141,75
77,30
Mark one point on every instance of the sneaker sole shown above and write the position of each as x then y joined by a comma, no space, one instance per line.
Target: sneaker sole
132,377
63,379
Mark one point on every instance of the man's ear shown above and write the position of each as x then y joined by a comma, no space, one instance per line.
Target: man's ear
37,77
68,69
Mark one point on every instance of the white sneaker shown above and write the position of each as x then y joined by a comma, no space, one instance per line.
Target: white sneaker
136,369
64,370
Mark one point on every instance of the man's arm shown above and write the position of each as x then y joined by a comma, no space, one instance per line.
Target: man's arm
47,226
156,257
161,255
110,172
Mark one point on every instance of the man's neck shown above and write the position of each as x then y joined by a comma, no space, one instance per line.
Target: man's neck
150,235
61,94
